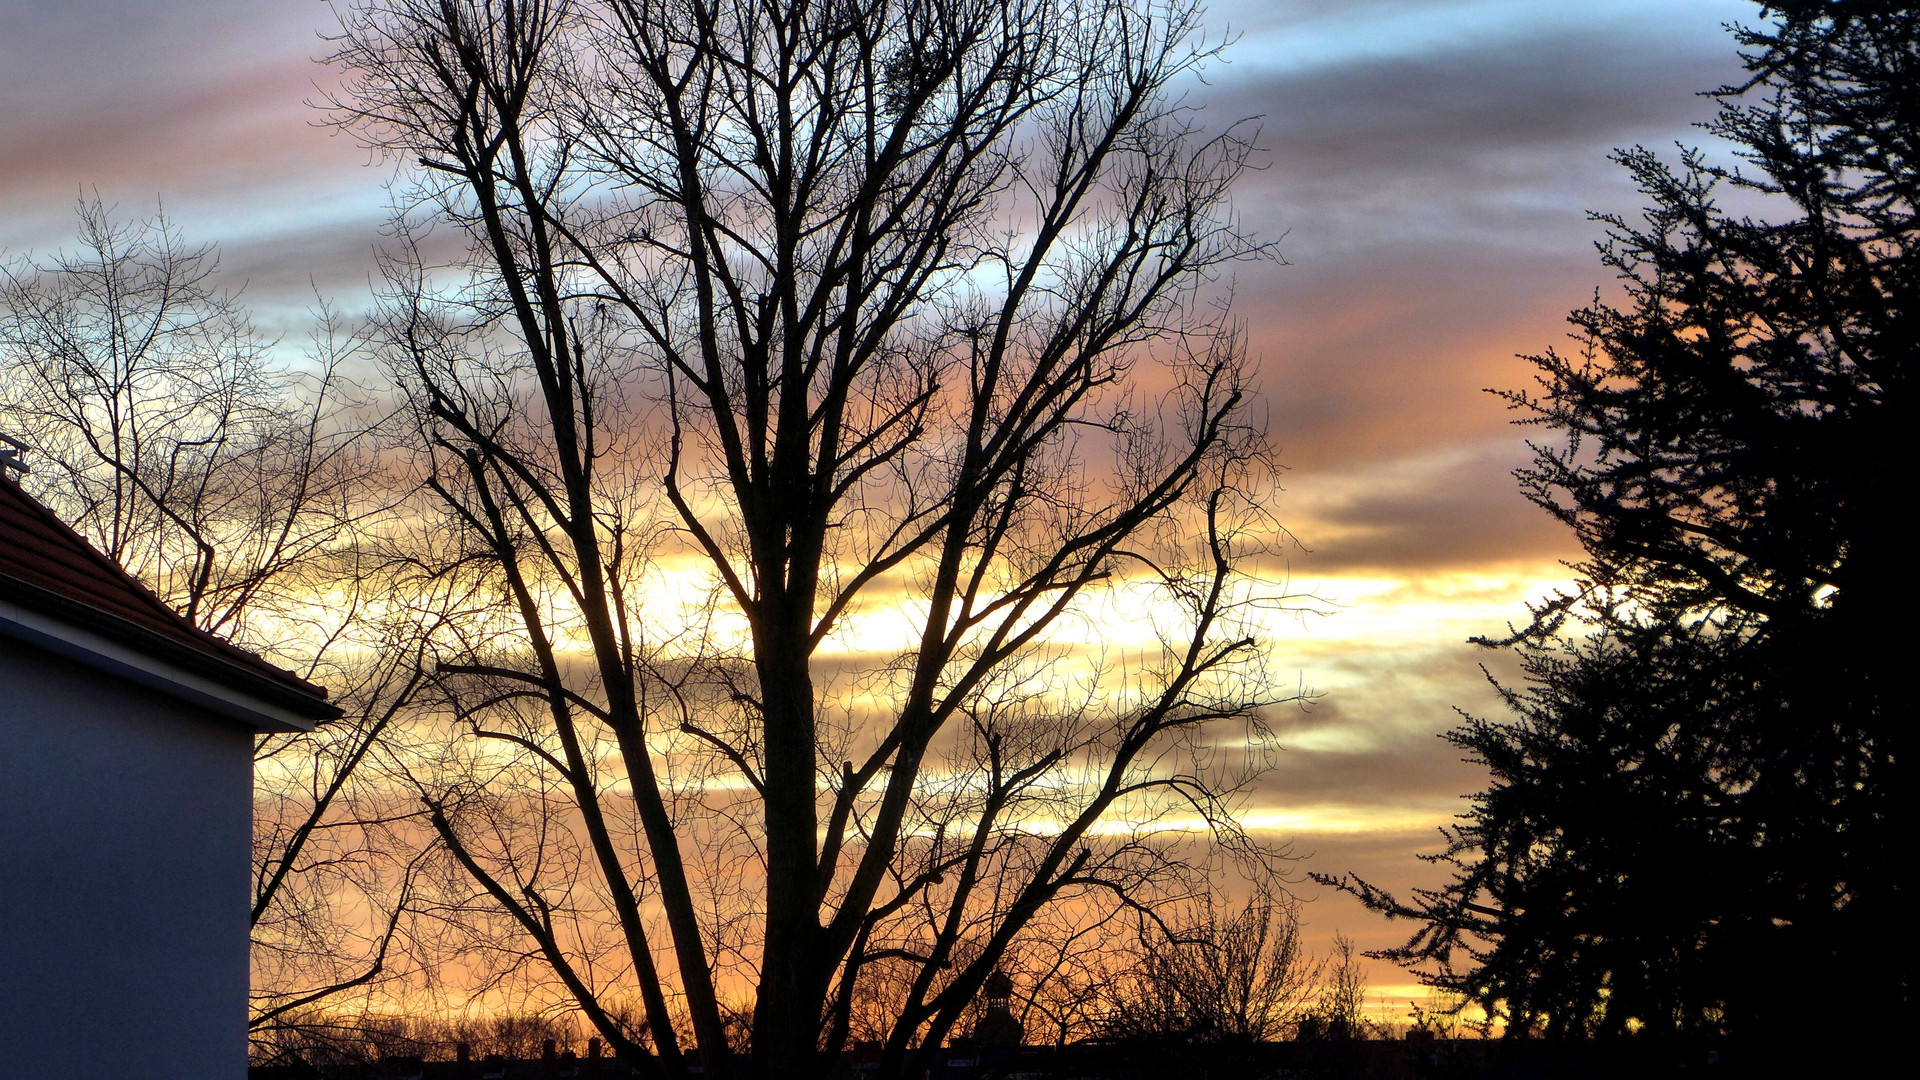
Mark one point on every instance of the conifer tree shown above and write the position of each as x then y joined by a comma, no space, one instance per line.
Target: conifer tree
1693,813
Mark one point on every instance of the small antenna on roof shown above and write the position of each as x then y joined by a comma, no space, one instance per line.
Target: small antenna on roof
10,454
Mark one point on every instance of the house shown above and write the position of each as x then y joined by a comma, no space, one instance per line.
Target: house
126,740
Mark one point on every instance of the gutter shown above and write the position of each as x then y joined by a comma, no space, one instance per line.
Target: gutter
108,643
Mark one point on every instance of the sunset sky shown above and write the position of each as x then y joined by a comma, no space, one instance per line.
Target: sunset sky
1428,171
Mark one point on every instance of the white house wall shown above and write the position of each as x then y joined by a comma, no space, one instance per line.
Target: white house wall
124,837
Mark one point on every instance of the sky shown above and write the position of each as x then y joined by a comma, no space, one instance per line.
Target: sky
1428,170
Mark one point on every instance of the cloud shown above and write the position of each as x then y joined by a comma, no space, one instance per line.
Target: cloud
1374,93
1371,357
1428,174
1370,782
199,106
1453,507
1428,171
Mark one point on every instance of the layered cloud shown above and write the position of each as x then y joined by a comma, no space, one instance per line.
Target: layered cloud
1429,169
203,107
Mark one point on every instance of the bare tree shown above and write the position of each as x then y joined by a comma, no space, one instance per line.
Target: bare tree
323,1038
1340,1012
820,372
1221,977
237,483
162,424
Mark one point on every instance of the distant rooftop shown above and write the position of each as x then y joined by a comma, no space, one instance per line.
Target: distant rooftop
48,569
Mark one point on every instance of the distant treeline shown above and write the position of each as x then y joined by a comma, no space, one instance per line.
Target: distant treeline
1415,1056
1225,976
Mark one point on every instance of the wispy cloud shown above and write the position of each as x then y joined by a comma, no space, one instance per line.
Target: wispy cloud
1428,171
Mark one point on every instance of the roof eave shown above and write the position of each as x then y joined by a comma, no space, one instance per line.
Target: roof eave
146,658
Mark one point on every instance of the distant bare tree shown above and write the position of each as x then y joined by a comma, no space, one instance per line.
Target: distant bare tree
519,1035
237,484
1340,1011
322,1036
819,373
1225,976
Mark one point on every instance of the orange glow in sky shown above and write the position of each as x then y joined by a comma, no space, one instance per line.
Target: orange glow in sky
1427,174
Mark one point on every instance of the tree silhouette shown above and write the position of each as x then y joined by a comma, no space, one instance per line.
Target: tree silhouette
1224,976
831,308
1693,820
241,485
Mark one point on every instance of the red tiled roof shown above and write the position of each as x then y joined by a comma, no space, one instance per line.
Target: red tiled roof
46,566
